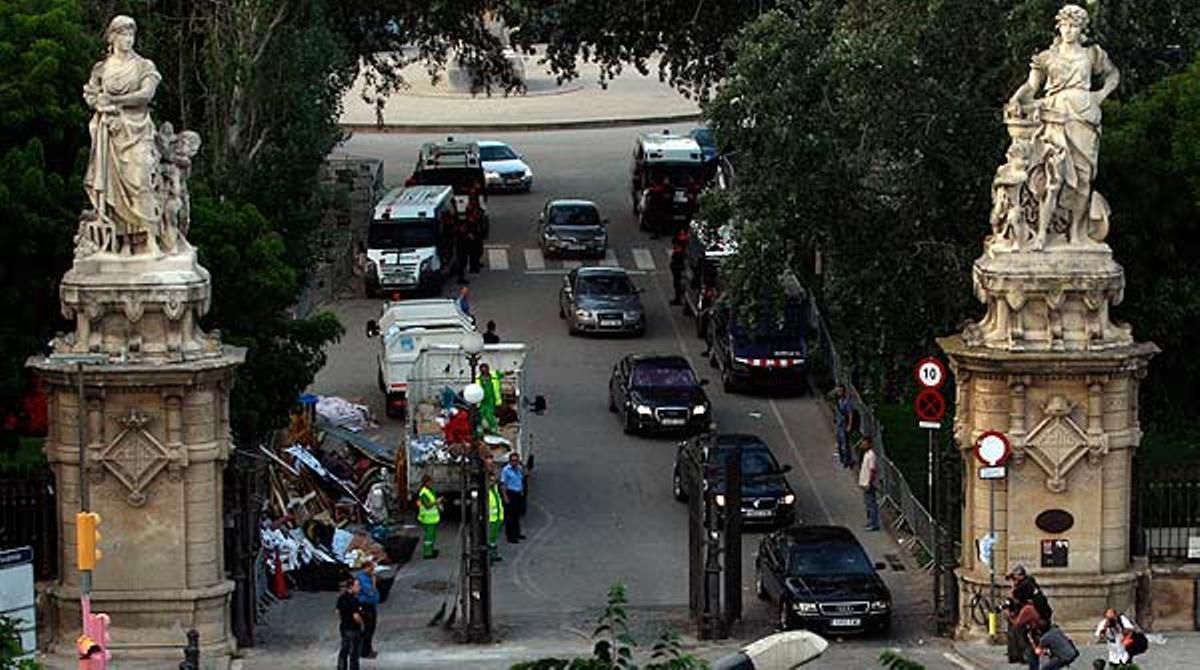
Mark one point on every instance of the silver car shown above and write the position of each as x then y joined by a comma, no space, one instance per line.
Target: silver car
572,227
503,168
601,300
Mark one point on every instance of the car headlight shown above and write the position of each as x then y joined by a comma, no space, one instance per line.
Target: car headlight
699,409
720,498
528,172
806,608
633,316
491,175
880,606
583,314
788,499
644,410
549,236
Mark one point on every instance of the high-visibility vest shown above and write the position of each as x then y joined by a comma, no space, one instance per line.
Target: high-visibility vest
495,504
495,381
427,512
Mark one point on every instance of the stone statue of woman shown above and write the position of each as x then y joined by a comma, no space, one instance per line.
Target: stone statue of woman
123,169
1067,141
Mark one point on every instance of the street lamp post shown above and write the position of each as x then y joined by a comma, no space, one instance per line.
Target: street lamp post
477,590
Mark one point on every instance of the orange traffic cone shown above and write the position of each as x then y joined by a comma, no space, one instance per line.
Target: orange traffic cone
279,585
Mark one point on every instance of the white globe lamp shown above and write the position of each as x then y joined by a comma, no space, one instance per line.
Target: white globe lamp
473,394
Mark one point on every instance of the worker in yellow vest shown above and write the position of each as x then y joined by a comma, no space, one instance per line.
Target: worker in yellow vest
495,516
428,516
489,381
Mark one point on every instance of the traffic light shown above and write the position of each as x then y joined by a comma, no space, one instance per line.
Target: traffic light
87,537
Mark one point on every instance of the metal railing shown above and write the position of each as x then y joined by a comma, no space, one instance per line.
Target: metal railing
894,489
1169,513
29,516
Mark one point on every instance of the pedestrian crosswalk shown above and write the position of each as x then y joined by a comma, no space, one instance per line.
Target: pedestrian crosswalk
502,258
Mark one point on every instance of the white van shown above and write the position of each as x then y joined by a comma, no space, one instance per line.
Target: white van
407,328
410,245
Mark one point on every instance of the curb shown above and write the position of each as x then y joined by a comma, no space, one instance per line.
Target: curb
581,124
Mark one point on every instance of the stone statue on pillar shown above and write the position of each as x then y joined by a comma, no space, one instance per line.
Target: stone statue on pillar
1047,365
139,393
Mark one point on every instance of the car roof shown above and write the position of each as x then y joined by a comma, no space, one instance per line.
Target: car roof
490,143
820,534
412,202
666,360
570,202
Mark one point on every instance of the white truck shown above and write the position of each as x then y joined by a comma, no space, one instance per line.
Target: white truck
410,243
438,375
406,328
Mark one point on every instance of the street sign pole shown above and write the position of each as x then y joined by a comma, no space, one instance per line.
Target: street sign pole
992,450
992,623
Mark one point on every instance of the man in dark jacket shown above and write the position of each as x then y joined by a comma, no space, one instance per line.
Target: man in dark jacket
1055,649
350,625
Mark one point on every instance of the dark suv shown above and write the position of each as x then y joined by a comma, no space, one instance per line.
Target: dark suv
766,495
823,581
658,393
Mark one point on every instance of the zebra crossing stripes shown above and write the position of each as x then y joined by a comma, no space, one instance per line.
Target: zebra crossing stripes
497,258
643,260
534,259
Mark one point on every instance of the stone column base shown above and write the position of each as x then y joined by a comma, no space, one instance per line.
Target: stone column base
1079,600
149,625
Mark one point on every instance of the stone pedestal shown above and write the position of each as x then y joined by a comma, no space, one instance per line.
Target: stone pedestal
156,426
1047,367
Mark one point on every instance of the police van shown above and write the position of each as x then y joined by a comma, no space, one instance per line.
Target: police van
458,165
673,163
410,245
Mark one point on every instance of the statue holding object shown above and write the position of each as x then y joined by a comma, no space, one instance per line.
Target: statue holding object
136,176
1043,195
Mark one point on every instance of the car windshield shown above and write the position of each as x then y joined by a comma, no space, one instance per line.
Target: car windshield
704,137
653,375
827,558
573,215
755,462
605,285
497,153
402,234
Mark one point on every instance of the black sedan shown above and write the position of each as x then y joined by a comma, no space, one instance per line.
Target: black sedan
601,300
823,581
658,393
767,498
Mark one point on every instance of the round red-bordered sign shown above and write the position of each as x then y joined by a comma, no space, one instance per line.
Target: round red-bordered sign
930,373
992,448
930,405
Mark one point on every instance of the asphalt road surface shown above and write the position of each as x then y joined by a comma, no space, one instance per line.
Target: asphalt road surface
601,509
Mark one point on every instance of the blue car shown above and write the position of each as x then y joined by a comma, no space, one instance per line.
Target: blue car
708,144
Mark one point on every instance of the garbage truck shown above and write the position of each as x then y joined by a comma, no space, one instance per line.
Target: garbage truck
438,376
404,329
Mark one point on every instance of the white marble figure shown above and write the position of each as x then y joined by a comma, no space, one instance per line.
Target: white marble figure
177,151
123,169
1059,141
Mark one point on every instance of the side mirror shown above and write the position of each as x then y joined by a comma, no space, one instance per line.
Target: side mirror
786,468
372,328
542,216
604,221
704,382
880,565
539,406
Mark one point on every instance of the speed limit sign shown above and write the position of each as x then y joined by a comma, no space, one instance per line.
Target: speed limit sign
930,373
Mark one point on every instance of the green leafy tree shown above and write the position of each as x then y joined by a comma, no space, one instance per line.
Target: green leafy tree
253,287
1150,171
44,59
10,648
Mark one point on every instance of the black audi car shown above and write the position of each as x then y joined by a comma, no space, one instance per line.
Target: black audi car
658,393
767,498
822,580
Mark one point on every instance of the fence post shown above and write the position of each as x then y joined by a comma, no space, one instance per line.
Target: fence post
191,653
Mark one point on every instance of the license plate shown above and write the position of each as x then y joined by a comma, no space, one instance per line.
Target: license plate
756,512
610,323
680,196
673,422
846,623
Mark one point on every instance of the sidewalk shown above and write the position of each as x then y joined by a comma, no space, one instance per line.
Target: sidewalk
629,99
1175,650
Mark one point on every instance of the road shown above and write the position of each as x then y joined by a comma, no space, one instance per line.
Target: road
601,509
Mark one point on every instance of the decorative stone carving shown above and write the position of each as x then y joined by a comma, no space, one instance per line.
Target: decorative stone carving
135,456
1057,443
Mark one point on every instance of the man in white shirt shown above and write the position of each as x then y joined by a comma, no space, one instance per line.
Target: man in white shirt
867,477
1112,629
